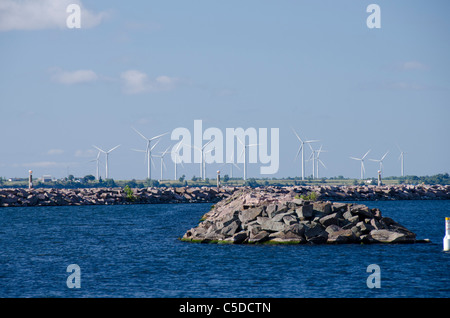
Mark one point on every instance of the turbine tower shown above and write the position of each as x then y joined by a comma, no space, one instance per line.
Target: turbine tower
402,161
231,163
162,161
149,150
319,161
107,154
380,160
302,146
148,153
97,160
244,152
362,163
202,153
177,157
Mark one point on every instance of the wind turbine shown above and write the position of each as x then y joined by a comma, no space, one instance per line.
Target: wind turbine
244,152
302,146
231,163
177,157
97,160
319,161
162,161
148,154
107,154
149,150
202,152
402,158
362,163
380,160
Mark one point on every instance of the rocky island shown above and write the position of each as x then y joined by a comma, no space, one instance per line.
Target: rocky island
252,216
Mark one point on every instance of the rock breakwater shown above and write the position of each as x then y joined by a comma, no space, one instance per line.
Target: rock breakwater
109,196
256,216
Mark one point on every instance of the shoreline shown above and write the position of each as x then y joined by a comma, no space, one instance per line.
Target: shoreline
17,197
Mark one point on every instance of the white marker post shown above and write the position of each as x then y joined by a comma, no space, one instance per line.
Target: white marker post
30,179
447,235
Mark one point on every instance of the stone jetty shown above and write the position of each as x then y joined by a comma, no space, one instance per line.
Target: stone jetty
109,196
252,216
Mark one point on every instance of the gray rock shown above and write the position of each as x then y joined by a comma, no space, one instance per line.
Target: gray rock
250,214
313,231
239,237
286,237
304,211
387,236
231,228
324,207
329,220
271,209
269,225
290,219
259,237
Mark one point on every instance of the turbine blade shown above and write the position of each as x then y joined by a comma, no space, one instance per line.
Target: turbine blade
154,145
321,162
366,154
297,135
207,143
374,160
298,152
382,158
139,133
99,149
354,158
178,145
243,151
158,136
310,141
113,148
165,151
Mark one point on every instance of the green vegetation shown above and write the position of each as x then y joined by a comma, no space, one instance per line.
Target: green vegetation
89,181
129,193
311,196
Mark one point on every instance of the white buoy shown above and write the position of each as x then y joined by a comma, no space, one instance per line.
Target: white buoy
447,235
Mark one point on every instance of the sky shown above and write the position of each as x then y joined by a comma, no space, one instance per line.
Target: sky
312,66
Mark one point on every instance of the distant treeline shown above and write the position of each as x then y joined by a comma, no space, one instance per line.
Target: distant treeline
89,181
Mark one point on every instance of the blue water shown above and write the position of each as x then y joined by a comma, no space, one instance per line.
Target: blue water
134,251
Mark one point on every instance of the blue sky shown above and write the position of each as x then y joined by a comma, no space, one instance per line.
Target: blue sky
157,65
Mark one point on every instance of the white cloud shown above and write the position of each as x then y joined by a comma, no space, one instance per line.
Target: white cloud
74,77
44,164
135,82
43,14
413,65
407,66
55,152
85,153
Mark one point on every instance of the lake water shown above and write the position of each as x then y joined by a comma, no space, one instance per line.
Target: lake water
134,251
